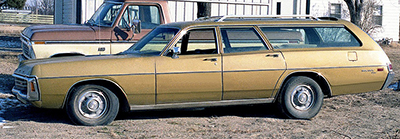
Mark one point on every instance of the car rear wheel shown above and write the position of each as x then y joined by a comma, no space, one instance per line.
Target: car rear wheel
92,105
301,98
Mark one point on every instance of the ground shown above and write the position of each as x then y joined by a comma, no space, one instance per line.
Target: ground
366,115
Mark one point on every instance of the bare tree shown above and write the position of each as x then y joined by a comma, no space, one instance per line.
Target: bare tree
44,7
362,14
355,8
368,23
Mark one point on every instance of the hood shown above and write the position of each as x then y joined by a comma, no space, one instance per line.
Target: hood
81,65
59,32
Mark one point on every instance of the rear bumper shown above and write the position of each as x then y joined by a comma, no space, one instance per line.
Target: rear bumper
388,80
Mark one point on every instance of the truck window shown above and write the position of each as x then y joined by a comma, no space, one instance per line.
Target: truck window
149,16
105,15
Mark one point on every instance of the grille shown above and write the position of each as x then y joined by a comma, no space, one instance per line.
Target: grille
25,47
21,85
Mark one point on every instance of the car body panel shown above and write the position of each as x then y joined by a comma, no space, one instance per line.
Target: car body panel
244,78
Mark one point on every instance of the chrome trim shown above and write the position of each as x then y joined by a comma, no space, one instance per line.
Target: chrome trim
340,67
97,75
254,70
68,42
202,104
190,72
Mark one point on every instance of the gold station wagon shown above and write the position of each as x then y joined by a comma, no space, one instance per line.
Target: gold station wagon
230,60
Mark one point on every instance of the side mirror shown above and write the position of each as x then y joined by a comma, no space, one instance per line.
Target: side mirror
136,25
175,52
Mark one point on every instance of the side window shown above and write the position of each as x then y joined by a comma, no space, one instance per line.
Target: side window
337,37
241,40
111,14
309,37
147,14
198,41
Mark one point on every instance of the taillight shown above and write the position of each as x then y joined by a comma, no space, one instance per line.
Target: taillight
390,67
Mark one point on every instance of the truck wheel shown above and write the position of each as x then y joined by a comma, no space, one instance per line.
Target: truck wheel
92,105
301,98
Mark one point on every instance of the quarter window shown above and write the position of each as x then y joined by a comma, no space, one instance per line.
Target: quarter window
310,37
241,40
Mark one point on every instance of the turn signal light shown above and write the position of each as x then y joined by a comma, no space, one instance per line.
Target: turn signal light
32,87
39,42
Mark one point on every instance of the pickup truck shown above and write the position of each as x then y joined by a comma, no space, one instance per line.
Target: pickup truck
110,30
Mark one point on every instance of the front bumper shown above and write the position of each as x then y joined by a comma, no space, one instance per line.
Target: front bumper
22,57
26,88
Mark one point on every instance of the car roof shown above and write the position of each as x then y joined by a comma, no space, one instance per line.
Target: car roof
258,20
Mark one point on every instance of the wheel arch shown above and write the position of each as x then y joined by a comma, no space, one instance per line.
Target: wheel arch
318,77
114,87
67,54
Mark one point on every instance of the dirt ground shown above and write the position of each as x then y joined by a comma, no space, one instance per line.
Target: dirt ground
366,115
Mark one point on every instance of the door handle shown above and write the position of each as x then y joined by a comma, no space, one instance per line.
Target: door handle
210,59
272,55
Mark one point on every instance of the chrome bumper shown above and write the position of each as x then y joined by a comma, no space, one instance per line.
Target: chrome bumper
26,89
388,80
21,97
22,57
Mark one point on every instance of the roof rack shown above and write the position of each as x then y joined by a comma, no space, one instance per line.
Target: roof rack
255,17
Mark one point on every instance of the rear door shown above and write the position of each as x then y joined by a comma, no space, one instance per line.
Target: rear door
250,69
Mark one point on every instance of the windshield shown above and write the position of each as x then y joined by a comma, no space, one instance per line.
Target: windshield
154,42
105,15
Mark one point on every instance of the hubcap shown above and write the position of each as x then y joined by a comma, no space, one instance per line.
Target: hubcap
302,97
92,104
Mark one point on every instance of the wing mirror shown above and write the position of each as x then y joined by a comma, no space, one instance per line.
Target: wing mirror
136,25
175,52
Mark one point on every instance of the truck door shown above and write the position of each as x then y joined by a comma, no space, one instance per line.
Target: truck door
123,35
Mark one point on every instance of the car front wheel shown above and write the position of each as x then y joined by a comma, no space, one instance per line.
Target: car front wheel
92,105
301,98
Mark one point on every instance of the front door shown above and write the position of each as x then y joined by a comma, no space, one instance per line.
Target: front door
195,75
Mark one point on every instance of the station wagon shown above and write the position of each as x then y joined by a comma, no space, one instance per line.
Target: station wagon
232,60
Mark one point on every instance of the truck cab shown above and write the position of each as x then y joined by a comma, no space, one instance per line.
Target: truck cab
113,28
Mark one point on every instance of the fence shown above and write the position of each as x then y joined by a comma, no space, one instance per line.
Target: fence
26,18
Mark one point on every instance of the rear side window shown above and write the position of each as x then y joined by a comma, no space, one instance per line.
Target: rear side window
310,37
241,40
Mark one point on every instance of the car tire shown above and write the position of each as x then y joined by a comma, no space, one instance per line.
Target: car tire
92,105
300,98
